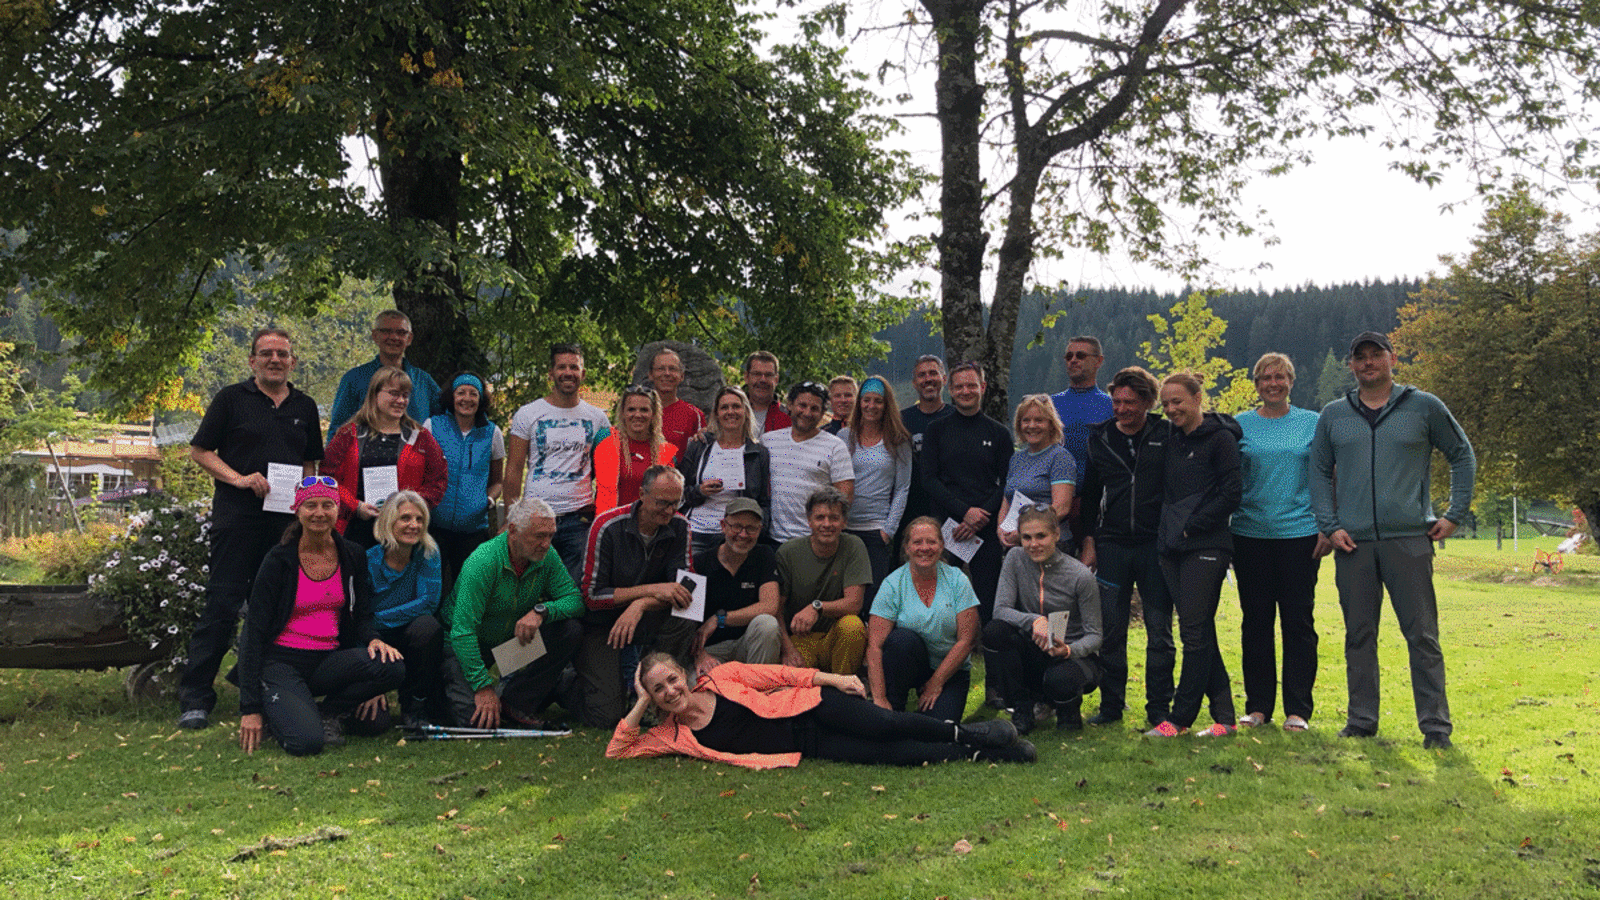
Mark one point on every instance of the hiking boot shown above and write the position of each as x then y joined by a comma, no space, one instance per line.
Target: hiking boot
1069,718
1022,718
194,720
1104,718
1355,731
988,734
332,731
1020,752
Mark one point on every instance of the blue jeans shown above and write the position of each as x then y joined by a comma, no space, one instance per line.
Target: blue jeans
572,535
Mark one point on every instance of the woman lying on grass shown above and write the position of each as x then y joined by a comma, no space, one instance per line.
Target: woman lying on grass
765,717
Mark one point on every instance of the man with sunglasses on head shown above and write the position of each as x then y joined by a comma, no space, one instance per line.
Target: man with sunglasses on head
804,458
248,427
391,331
550,453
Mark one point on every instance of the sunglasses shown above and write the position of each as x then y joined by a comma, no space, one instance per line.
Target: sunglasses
314,480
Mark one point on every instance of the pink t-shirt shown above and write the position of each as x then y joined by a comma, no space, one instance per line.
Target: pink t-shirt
314,623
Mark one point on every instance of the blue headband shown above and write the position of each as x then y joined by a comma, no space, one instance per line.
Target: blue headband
873,385
466,378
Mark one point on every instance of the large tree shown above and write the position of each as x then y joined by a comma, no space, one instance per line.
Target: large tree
610,170
1507,339
1130,125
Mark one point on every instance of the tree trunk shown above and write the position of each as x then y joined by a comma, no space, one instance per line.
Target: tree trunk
961,242
421,174
1016,256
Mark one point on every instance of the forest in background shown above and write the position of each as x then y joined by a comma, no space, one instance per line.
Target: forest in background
1312,324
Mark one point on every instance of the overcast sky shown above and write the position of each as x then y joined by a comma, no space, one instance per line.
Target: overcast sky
1347,217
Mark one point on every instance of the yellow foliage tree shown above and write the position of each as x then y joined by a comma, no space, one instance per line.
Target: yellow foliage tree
1185,343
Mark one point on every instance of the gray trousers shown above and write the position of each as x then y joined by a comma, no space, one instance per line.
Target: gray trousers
1403,566
760,643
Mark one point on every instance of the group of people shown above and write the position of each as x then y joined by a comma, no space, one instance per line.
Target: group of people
811,577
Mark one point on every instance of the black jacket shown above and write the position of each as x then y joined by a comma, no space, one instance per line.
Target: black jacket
757,466
272,601
1203,486
1122,503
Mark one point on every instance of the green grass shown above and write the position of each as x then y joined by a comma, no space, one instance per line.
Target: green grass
100,799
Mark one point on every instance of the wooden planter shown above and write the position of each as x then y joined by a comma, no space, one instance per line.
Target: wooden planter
54,626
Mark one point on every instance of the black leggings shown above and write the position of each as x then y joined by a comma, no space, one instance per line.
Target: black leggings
291,680
1196,582
847,728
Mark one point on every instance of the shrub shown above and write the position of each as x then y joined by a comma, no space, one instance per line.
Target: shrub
157,570
64,557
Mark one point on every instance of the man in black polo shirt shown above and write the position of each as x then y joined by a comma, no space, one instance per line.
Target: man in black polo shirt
741,621
249,425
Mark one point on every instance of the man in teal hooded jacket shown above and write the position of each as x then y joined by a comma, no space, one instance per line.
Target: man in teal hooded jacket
1369,488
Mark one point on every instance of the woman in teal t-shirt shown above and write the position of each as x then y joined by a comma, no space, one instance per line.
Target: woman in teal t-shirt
1277,549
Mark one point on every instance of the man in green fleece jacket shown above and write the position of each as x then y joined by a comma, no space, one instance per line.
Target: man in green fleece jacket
1369,488
512,586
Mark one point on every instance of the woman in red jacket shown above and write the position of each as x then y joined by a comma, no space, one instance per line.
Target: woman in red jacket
380,438
764,717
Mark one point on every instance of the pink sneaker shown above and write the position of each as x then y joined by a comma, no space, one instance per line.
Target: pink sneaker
1218,730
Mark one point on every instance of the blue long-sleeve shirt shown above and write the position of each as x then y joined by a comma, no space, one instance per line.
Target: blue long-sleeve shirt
400,597
353,392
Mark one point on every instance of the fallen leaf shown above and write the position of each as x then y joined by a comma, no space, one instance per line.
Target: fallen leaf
962,846
878,788
728,793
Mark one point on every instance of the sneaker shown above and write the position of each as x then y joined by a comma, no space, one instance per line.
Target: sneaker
1104,718
1437,740
1069,718
517,717
194,720
332,731
1022,718
1019,752
1166,730
988,734
1218,729
1355,731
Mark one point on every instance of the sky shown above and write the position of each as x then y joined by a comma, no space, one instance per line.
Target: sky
1346,217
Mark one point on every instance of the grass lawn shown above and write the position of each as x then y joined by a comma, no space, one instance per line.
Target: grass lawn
100,799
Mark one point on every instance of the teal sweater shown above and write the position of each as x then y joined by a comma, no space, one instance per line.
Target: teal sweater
1383,469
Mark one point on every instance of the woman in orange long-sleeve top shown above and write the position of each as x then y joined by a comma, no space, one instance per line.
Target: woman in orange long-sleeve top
635,444
765,717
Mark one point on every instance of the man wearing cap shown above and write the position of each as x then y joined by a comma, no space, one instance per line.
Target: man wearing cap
804,458
249,426
741,623
1378,440
512,586
391,331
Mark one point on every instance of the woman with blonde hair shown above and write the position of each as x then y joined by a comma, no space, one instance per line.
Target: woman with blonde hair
732,445
1200,491
1277,548
1042,469
406,574
382,436
634,445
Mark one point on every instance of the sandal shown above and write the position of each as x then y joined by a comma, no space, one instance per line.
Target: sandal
1251,720
1218,730
1295,723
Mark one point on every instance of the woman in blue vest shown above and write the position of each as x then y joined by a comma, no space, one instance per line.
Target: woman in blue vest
475,450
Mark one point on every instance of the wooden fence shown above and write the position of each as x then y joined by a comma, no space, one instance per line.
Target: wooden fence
26,513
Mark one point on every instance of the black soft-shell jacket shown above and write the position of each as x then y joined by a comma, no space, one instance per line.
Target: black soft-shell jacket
1202,487
272,601
1122,503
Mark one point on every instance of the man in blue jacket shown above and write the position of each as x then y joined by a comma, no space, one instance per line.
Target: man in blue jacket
391,331
1379,440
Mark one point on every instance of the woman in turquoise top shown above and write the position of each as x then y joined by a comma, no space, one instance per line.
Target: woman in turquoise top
406,590
923,629
1277,548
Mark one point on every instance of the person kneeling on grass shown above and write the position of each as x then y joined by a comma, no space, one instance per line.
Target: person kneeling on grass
765,717
309,631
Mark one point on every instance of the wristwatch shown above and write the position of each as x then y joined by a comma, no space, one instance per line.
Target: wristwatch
722,618
816,605
542,610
